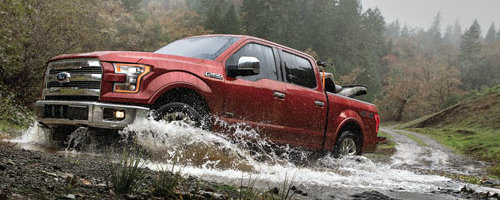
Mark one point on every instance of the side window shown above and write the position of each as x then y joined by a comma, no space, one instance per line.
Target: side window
265,56
298,70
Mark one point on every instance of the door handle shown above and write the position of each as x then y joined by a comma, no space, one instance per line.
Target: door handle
279,95
319,103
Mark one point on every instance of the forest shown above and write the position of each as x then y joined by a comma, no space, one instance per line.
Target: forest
410,72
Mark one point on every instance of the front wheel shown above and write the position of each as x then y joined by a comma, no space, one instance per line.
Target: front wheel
347,145
182,112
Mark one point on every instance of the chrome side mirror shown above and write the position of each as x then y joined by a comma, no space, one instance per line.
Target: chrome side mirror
247,66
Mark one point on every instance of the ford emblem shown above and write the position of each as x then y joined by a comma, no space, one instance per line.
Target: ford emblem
63,77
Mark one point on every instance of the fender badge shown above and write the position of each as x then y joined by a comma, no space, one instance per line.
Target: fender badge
214,75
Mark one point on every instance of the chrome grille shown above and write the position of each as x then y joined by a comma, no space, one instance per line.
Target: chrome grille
73,78
78,84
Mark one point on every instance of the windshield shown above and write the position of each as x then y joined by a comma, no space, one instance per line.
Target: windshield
209,47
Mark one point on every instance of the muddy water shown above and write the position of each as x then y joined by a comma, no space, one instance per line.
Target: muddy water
245,157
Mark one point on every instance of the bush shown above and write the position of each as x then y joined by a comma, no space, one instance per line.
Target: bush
11,112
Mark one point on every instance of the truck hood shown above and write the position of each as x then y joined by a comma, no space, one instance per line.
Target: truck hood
125,56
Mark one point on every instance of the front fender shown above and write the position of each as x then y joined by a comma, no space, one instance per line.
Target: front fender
176,79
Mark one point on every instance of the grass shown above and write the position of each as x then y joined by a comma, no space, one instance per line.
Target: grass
414,138
482,144
166,183
126,175
388,144
471,127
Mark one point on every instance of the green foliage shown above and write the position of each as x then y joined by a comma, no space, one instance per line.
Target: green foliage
12,114
480,143
248,191
126,175
166,183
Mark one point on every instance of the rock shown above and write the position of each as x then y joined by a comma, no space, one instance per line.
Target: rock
85,182
131,197
2,167
69,196
371,195
16,196
59,174
275,190
57,168
3,196
211,195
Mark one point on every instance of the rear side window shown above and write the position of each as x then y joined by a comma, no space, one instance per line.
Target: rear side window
298,70
266,59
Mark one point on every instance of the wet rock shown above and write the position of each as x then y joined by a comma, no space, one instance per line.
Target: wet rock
211,195
275,190
2,167
70,178
491,182
69,196
16,196
57,168
371,195
467,190
131,197
85,182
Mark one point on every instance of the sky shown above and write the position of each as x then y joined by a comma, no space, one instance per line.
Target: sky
420,13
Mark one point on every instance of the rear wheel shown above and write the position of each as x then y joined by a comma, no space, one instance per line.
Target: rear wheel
347,145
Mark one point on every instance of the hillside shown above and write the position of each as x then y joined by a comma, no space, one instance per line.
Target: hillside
479,111
471,127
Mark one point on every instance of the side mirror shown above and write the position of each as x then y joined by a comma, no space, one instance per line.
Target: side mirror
247,66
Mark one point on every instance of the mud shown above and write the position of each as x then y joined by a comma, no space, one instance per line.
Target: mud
409,173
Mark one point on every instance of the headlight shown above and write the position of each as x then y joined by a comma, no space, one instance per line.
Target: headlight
134,74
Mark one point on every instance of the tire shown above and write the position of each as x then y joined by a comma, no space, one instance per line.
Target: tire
178,111
347,145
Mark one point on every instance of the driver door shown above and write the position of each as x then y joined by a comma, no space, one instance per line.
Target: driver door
255,100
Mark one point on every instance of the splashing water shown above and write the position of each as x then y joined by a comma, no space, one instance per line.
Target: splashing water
34,135
219,157
242,154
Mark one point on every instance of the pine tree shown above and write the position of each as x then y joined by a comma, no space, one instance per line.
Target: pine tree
470,48
491,35
435,29
231,22
213,20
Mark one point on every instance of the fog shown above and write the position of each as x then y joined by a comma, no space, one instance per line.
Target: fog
421,13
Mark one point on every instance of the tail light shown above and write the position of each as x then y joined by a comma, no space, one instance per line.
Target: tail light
377,122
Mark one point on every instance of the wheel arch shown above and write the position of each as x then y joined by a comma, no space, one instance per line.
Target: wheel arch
178,84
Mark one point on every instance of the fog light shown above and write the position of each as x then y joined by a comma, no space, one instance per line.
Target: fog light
119,114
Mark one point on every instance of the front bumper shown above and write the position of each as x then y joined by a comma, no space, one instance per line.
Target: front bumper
84,113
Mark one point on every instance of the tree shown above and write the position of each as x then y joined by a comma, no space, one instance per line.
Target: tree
231,21
213,18
470,49
490,35
435,29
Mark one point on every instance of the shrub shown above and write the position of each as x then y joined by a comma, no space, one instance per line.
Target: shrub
127,173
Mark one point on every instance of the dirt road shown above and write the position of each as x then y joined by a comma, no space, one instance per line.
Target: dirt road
413,172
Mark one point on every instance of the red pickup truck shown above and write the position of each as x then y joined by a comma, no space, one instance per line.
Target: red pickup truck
238,79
